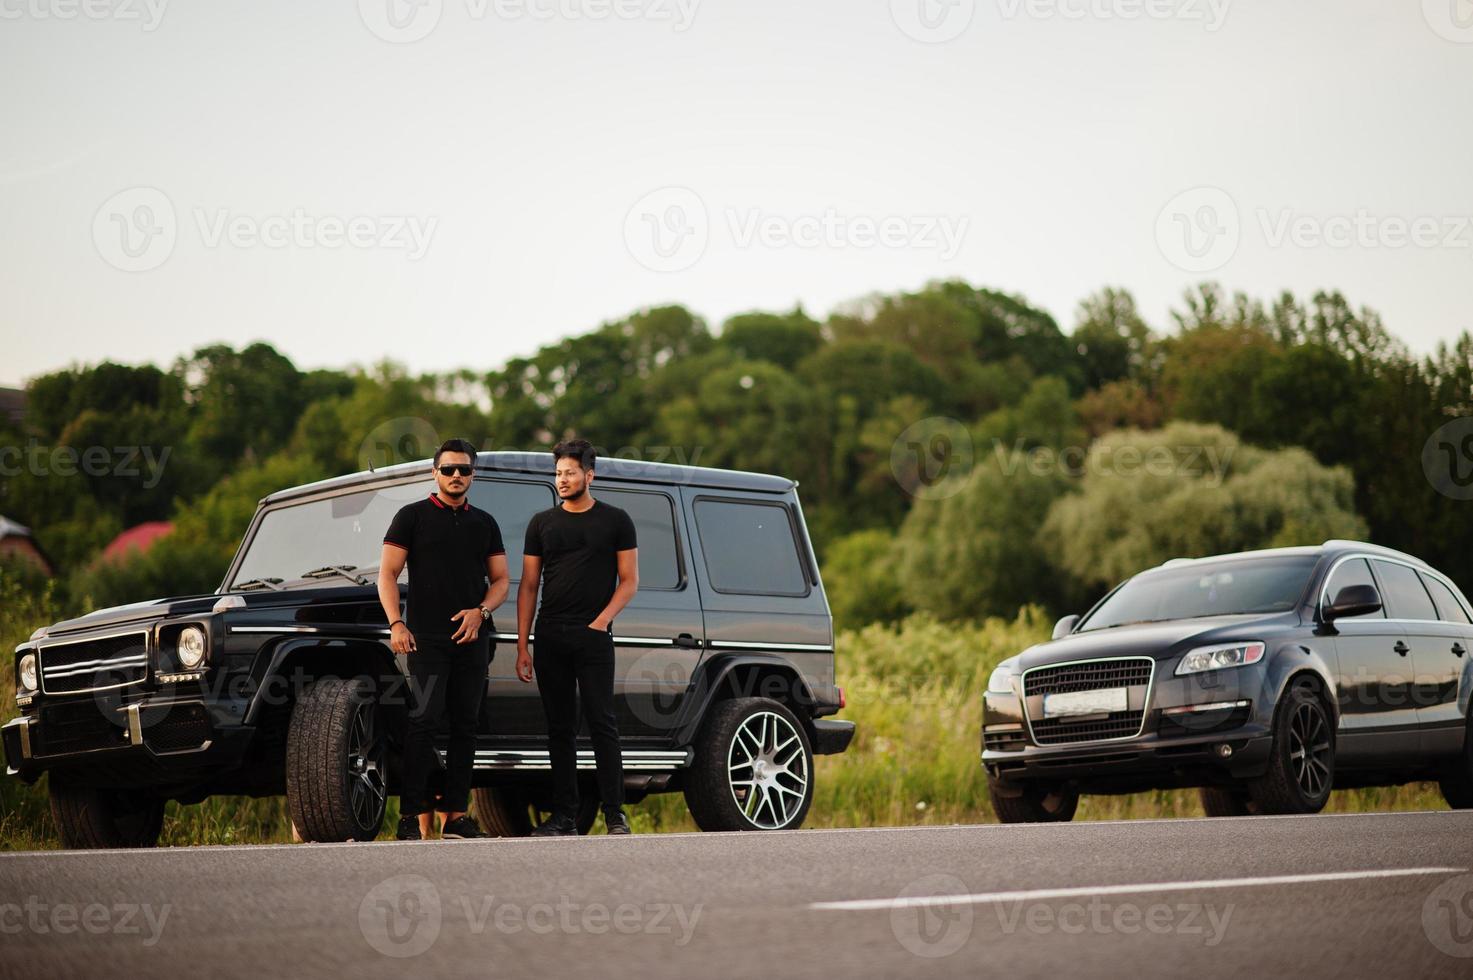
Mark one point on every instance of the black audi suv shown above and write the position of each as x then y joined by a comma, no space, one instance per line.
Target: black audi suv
1265,678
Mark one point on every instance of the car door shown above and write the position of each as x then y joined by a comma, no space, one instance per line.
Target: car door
1443,671
659,636
1425,638
1377,719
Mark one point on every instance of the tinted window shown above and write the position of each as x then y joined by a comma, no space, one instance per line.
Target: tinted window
1354,572
1221,588
1448,606
1403,593
750,548
512,504
654,524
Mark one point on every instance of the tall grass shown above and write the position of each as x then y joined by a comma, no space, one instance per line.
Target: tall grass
914,691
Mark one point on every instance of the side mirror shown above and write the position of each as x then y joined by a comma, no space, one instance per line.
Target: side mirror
1063,626
1353,600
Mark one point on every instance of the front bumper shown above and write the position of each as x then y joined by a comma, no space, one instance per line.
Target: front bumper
159,737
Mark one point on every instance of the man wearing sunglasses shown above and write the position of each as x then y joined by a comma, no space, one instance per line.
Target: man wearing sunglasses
457,576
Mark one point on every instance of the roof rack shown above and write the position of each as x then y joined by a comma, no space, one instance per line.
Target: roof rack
1367,546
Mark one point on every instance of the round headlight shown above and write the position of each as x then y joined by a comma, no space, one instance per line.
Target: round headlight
28,673
191,647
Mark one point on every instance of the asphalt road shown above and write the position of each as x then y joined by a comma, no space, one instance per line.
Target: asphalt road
1329,896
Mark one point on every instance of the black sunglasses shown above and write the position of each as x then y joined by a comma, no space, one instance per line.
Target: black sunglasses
450,469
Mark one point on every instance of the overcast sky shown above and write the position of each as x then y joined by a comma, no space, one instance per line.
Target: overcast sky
452,182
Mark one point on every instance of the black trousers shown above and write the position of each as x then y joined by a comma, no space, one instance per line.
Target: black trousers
574,662
449,683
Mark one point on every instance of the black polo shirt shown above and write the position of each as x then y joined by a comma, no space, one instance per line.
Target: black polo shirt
448,547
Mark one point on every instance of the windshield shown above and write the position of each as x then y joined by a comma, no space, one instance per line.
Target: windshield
1222,588
346,530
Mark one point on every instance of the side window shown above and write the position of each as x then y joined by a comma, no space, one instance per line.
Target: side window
1355,572
1448,606
654,524
750,548
1405,598
512,503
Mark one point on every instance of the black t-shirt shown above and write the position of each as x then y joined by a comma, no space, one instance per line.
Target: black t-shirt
448,547
580,569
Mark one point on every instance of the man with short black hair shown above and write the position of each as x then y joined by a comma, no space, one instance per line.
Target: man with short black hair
583,556
457,576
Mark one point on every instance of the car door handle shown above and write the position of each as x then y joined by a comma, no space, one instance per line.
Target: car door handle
1458,650
686,641
1402,648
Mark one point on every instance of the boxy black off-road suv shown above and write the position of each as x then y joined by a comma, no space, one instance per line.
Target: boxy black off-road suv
1265,678
283,682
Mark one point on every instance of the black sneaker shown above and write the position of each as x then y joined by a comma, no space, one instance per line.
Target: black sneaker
615,822
462,827
557,825
409,828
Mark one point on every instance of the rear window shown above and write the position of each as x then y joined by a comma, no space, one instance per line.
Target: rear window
750,548
1448,606
1402,592
654,527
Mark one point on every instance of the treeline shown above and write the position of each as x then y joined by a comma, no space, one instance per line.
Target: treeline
959,452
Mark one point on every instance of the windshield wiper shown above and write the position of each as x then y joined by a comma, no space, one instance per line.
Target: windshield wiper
340,571
251,585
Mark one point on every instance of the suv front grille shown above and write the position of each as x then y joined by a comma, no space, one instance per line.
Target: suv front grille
90,665
1092,675
79,727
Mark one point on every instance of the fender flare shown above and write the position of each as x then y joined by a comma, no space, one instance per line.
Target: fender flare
385,666
712,674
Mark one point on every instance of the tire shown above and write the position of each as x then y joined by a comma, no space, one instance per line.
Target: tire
336,787
504,811
1220,802
753,768
1457,783
1048,804
88,818
1296,781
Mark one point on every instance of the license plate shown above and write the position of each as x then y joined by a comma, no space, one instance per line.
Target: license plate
1097,702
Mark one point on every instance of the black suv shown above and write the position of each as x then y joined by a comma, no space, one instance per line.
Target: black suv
283,681
1266,678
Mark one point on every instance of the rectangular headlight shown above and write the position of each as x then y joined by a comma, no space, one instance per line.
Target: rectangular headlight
1220,657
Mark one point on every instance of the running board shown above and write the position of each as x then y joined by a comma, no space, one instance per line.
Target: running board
635,760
